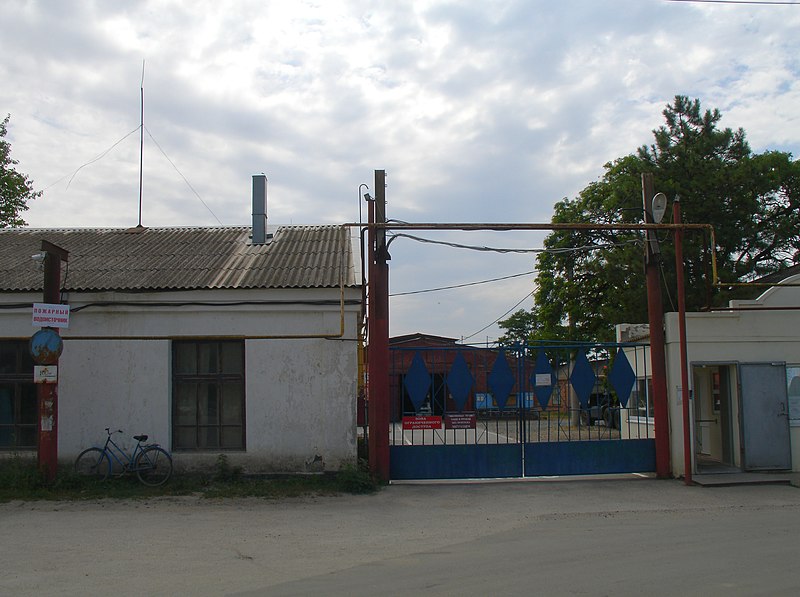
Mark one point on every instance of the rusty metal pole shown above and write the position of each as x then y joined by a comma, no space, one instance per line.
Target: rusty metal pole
378,348
655,312
687,440
47,393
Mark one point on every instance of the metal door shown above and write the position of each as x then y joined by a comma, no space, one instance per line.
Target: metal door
765,417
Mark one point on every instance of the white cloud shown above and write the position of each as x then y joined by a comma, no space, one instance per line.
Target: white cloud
488,111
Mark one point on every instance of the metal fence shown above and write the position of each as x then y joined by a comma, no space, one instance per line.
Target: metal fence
466,395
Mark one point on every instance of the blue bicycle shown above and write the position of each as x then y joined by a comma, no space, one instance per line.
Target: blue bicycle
151,463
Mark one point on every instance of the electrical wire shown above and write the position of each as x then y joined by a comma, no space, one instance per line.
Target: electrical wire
182,176
501,317
92,161
751,2
513,250
463,285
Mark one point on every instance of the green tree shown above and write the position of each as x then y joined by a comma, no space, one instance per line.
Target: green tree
590,280
16,189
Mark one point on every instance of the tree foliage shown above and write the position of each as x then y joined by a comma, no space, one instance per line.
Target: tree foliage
16,189
590,280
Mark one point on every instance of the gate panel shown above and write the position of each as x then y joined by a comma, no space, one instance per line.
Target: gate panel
589,457
472,412
455,461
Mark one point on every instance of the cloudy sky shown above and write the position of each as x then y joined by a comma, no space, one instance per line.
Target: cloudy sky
486,111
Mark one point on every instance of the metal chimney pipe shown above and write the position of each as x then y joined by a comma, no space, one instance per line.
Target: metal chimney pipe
259,209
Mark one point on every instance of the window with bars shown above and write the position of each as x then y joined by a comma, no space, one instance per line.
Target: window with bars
208,397
18,408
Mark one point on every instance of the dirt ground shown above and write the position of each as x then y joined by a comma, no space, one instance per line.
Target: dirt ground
588,536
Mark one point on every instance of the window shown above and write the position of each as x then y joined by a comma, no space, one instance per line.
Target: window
208,395
641,400
18,406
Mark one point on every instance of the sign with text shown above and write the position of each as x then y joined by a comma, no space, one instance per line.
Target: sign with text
422,422
460,421
50,316
45,374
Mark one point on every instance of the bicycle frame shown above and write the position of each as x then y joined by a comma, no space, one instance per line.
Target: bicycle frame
124,460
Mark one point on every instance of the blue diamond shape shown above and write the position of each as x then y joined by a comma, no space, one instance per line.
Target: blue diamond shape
622,378
542,368
417,381
501,380
582,379
460,381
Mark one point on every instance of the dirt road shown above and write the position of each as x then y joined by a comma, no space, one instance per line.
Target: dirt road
591,537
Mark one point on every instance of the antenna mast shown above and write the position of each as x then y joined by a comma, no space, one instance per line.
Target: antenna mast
141,144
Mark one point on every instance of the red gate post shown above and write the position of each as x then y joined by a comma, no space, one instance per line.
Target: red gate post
655,313
378,347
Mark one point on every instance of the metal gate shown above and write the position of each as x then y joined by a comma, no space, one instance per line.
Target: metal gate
519,411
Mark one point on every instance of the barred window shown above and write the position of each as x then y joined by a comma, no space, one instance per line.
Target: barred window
18,408
208,397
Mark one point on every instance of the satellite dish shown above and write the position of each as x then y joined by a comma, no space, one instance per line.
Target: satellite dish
658,207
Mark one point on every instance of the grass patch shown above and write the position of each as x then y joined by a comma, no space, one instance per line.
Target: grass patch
20,479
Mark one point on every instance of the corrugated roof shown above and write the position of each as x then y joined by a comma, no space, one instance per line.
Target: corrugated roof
180,258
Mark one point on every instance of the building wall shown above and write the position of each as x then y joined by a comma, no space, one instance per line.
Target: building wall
728,337
300,393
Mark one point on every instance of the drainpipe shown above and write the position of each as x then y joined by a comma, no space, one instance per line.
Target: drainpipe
687,441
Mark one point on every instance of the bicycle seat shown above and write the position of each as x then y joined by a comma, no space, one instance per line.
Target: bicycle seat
140,438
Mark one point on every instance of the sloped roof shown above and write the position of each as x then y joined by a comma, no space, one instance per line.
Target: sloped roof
156,259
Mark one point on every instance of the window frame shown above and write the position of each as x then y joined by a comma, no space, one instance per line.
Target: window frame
644,385
21,382
219,380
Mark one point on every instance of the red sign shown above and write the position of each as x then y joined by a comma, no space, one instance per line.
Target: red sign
460,421
422,422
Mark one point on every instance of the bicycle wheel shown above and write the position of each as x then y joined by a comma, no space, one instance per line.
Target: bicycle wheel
153,466
93,462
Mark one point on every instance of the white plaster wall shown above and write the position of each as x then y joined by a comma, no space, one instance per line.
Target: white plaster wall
302,403
300,393
117,384
728,337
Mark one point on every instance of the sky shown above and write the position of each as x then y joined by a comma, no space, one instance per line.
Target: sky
481,112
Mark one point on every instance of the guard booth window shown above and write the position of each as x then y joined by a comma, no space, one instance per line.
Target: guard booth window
17,396
208,395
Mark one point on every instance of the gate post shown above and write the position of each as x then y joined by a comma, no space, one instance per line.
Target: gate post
378,330
655,313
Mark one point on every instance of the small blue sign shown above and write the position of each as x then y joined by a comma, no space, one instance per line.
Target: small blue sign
46,346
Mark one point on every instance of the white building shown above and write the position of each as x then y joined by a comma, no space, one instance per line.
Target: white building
744,381
209,340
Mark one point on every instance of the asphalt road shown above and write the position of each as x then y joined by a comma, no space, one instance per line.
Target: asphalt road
578,537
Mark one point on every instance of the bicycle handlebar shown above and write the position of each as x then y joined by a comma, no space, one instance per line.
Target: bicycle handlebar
109,432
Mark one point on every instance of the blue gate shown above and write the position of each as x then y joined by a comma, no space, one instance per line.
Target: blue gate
464,411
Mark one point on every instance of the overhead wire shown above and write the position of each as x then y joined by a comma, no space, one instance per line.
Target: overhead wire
464,285
750,2
513,250
73,174
500,250
182,176
92,161
501,317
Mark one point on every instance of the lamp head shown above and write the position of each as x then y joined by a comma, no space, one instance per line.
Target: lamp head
658,207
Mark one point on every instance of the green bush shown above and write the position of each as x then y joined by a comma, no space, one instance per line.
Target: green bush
355,478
